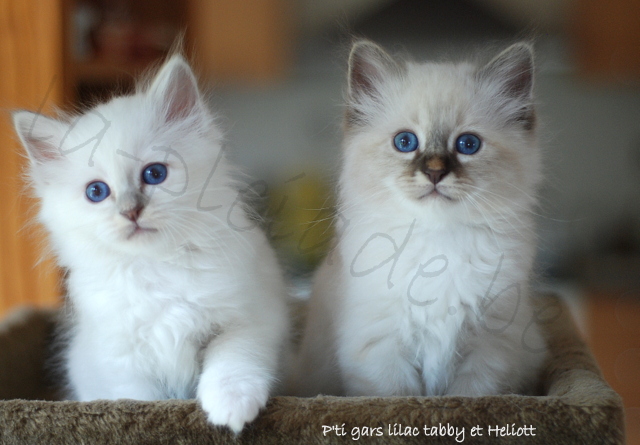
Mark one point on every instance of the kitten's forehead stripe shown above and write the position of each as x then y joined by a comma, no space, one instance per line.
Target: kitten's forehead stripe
439,140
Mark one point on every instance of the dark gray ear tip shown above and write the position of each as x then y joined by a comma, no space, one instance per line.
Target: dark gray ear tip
362,43
520,50
517,59
364,47
523,46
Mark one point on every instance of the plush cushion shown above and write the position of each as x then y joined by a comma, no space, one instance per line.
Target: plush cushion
575,405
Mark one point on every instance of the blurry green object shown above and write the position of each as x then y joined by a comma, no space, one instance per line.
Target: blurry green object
300,221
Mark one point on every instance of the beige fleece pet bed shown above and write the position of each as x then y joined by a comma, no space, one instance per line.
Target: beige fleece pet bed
576,406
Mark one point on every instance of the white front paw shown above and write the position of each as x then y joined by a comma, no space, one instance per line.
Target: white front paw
232,401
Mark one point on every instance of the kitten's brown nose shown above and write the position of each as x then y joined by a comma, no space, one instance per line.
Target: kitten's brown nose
435,168
435,176
133,214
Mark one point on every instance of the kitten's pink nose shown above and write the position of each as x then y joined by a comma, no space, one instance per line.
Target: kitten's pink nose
133,214
435,176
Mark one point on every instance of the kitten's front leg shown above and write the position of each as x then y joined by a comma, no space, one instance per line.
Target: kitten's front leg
500,362
127,387
481,373
239,370
95,376
376,366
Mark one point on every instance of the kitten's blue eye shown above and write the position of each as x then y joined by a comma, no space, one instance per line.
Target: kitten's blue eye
98,191
154,174
405,141
468,144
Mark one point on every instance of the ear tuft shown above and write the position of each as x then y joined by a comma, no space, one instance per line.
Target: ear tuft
176,88
41,136
513,71
369,64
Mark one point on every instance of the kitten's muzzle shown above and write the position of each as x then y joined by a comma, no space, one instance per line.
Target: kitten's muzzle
435,168
435,176
133,213
131,205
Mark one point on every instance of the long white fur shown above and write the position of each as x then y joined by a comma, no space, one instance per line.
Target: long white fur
429,296
194,309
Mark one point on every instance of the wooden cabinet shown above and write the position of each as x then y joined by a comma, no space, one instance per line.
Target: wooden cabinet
32,76
228,41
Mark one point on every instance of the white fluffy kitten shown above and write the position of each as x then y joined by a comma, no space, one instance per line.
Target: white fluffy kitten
172,293
427,291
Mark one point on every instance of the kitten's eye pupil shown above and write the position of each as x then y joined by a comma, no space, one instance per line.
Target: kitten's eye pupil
154,174
468,144
97,191
405,141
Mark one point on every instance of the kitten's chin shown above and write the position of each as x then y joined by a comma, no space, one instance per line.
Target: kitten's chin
439,207
435,195
136,239
138,232
144,243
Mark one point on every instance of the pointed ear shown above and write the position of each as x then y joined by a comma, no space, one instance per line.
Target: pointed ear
369,66
513,71
41,136
513,68
176,89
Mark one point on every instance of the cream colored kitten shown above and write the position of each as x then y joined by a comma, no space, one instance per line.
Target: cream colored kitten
427,291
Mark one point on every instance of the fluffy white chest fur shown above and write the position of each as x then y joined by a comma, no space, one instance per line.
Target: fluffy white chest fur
417,299
152,319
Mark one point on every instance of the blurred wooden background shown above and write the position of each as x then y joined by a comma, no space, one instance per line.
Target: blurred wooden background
31,77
